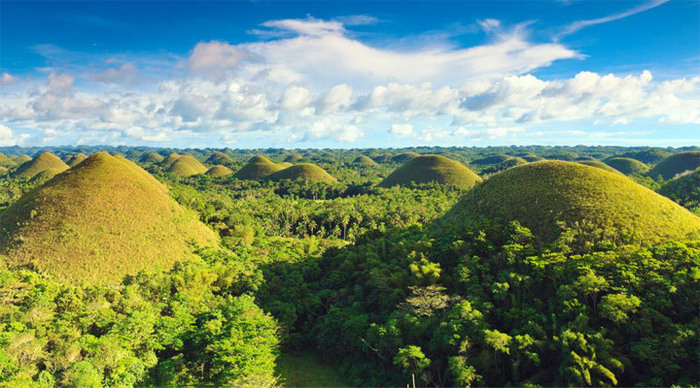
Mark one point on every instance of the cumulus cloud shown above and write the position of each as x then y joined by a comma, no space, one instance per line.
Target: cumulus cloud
214,54
319,83
401,129
7,137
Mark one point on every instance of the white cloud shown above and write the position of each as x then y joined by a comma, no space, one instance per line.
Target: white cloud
401,129
7,79
124,74
214,54
318,83
7,137
580,24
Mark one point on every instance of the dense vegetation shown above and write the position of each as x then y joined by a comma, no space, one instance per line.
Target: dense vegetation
547,273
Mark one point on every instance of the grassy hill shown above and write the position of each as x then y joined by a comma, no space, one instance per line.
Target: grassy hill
676,164
404,157
684,190
5,161
293,158
540,194
647,156
627,166
168,161
22,159
97,222
187,165
151,157
219,171
363,160
432,168
284,164
600,165
304,171
258,167
219,158
46,162
73,160
493,159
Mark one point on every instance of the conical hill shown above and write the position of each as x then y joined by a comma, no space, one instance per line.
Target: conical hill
432,168
676,164
303,171
258,167
542,194
187,165
44,162
97,222
219,171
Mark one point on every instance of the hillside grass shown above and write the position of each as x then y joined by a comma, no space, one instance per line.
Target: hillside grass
219,171
600,165
305,369
73,160
187,165
363,160
258,167
219,158
151,157
303,171
627,166
432,168
676,164
45,162
541,194
97,222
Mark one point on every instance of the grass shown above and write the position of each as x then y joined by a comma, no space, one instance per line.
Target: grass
151,157
46,162
284,164
432,168
219,171
541,194
303,171
647,156
404,157
187,165
6,161
219,158
73,160
493,159
363,160
22,159
167,162
684,190
258,167
293,158
676,164
627,166
600,165
95,223
305,369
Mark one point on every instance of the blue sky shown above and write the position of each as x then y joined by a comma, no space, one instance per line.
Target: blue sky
350,74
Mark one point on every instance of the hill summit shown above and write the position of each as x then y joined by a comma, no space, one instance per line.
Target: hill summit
432,168
676,164
187,165
46,163
258,167
303,171
541,194
101,220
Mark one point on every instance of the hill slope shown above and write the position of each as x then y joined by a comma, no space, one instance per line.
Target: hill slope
540,194
363,160
73,160
46,162
627,166
304,171
219,171
432,168
151,157
600,165
187,165
97,222
676,164
684,190
219,158
258,167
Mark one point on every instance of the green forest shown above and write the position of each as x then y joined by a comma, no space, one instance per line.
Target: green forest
457,267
